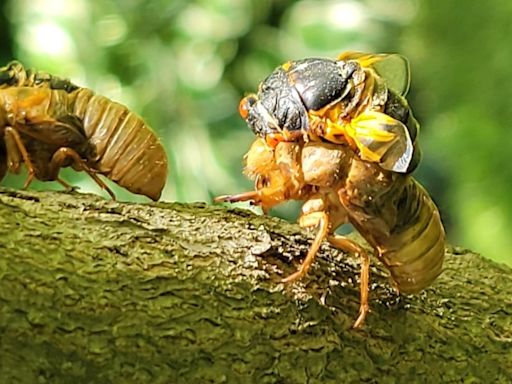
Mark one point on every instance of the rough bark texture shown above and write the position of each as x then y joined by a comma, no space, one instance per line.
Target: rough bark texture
95,291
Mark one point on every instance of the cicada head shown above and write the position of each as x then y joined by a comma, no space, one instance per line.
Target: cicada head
276,110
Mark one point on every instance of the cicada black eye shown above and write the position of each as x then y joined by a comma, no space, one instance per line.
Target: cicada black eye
245,105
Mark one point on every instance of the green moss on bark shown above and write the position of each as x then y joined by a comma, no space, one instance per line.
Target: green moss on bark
100,291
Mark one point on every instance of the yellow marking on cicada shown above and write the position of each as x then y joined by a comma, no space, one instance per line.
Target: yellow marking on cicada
372,133
369,124
393,68
383,139
336,133
286,66
364,59
372,128
323,122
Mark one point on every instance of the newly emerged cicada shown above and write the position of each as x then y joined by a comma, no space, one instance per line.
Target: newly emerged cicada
356,99
339,136
48,123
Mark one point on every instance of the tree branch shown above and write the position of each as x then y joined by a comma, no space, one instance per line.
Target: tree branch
100,291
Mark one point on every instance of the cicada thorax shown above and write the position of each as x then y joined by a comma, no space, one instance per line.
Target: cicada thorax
35,104
373,119
330,121
14,74
125,149
34,124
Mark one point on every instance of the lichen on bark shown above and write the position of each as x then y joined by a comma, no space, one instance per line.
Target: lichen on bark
97,291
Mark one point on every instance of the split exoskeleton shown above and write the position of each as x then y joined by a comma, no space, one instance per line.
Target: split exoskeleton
48,123
339,136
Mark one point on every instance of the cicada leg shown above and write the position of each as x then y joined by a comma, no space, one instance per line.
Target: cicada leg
65,184
244,196
320,219
347,245
59,158
265,198
255,197
15,148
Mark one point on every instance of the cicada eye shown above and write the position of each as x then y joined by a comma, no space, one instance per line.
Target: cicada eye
245,104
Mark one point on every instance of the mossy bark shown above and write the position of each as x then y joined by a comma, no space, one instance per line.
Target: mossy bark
96,291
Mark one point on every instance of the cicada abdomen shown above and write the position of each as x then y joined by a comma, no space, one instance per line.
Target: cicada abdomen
414,250
125,148
399,219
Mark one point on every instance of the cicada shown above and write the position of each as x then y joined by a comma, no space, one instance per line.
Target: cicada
355,169
48,123
357,99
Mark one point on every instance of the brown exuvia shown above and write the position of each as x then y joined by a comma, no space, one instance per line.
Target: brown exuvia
48,123
390,210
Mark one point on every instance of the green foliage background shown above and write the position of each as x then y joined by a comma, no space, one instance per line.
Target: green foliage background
184,65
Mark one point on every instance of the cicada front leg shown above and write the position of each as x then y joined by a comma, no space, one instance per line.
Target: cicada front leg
61,157
16,153
252,196
268,193
314,219
347,245
258,198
